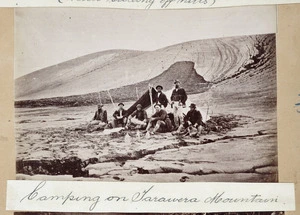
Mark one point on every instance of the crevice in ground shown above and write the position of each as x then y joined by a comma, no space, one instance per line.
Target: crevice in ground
76,167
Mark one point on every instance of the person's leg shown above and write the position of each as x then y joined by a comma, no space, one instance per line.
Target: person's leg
138,124
129,122
94,122
114,123
102,124
199,130
169,126
150,124
124,122
180,114
193,132
158,126
175,112
182,128
135,121
92,126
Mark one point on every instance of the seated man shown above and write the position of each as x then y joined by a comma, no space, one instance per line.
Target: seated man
160,121
192,122
120,118
99,120
137,118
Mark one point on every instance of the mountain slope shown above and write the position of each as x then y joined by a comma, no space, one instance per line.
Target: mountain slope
183,71
215,59
69,76
252,84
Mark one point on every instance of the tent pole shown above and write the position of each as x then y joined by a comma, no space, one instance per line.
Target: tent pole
151,100
207,111
111,99
137,93
100,101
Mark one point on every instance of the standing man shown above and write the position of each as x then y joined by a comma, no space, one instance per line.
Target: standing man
120,118
178,99
138,118
99,120
160,121
160,97
192,122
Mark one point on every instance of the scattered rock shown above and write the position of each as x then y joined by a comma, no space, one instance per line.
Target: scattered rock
118,178
24,121
221,123
184,178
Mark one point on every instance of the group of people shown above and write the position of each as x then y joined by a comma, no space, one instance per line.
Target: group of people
160,121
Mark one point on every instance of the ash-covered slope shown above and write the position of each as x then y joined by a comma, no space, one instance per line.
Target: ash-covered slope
215,59
256,78
72,77
183,71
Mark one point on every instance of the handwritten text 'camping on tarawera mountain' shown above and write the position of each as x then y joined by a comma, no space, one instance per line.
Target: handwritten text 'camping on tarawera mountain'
148,4
39,194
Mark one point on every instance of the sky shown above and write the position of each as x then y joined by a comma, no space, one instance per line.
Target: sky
48,36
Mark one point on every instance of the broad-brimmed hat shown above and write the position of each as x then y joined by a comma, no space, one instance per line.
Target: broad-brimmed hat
139,105
100,105
193,105
176,81
159,86
121,104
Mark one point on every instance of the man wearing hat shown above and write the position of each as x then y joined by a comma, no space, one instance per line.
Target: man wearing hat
178,99
120,117
137,118
160,121
99,120
160,97
192,122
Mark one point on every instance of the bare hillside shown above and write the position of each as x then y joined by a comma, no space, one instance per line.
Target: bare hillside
215,59
183,71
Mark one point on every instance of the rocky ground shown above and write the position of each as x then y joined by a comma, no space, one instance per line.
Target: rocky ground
52,144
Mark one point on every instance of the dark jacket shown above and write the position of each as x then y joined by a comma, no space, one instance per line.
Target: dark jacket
140,114
162,99
179,95
194,116
161,115
118,113
101,115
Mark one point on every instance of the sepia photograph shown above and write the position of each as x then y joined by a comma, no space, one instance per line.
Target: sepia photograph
145,96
